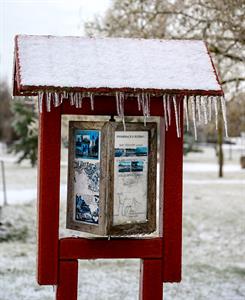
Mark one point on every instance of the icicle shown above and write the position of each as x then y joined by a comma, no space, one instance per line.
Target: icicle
186,112
91,96
176,116
165,111
72,99
121,106
48,101
198,100
148,105
40,101
75,99
80,100
169,110
62,97
145,106
216,113
139,102
117,103
210,99
194,116
223,108
179,116
121,103
204,107
65,95
120,97
56,99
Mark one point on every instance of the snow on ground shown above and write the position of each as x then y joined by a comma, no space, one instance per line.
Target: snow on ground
213,238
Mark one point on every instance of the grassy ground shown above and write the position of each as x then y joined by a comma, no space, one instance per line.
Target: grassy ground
213,239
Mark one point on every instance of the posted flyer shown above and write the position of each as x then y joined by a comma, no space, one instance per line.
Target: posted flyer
130,177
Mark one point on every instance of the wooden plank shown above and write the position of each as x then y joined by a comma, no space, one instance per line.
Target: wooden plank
106,105
48,196
82,248
68,280
151,286
71,222
172,212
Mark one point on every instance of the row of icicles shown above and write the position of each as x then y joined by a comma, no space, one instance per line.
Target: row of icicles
197,108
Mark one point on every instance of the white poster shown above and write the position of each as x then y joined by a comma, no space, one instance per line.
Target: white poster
130,177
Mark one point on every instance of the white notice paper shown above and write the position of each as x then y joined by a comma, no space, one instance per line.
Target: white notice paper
130,177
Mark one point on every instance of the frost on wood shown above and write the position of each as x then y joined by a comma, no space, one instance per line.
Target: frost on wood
197,109
46,61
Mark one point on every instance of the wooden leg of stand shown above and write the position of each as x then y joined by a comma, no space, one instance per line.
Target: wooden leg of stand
68,278
151,286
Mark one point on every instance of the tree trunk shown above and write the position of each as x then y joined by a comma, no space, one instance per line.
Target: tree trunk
220,146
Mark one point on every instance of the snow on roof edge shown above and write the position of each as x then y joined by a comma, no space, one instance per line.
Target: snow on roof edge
23,88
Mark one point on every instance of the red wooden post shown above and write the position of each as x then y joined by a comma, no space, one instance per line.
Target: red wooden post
48,196
172,212
68,280
151,286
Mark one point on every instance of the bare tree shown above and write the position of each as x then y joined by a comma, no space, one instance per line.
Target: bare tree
220,23
131,18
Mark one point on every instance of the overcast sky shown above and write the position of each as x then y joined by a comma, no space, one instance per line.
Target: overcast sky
54,17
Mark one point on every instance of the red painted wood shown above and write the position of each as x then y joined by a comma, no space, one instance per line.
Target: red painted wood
107,106
68,280
81,248
172,212
151,286
48,196
217,75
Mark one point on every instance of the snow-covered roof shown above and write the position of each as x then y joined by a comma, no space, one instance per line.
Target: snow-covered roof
50,62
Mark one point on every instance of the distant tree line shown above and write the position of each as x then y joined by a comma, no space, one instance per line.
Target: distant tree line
18,125
7,134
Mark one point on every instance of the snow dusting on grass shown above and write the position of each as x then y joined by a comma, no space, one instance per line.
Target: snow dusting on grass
213,239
